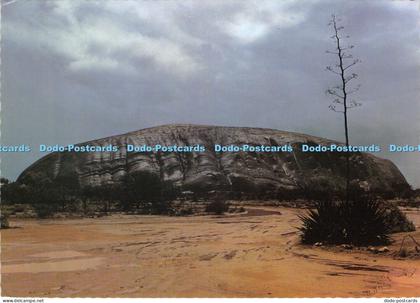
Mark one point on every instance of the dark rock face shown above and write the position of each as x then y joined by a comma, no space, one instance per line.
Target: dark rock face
227,171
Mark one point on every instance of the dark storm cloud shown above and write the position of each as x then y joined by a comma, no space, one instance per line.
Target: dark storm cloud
74,71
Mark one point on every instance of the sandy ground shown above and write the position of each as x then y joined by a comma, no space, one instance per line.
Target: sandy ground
253,255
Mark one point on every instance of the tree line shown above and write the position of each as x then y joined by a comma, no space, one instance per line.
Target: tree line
141,192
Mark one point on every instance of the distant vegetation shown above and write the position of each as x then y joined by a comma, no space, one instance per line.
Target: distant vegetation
218,206
4,221
144,192
140,192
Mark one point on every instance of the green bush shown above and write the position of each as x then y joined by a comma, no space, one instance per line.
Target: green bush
396,220
160,207
4,221
186,211
44,210
361,221
217,207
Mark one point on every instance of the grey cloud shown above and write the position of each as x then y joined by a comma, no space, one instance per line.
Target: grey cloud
132,73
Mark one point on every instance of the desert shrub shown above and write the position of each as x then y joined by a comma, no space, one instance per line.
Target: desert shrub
160,207
187,211
217,206
359,221
44,210
395,219
4,221
141,188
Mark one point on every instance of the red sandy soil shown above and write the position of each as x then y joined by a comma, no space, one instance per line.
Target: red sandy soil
252,255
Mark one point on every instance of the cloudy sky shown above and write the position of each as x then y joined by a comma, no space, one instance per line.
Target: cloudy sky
79,70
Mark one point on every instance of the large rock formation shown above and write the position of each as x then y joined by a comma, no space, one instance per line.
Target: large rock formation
258,172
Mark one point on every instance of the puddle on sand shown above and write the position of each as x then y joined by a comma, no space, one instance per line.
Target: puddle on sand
53,266
63,254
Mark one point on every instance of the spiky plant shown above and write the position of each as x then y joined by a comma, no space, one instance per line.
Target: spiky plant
321,224
361,221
